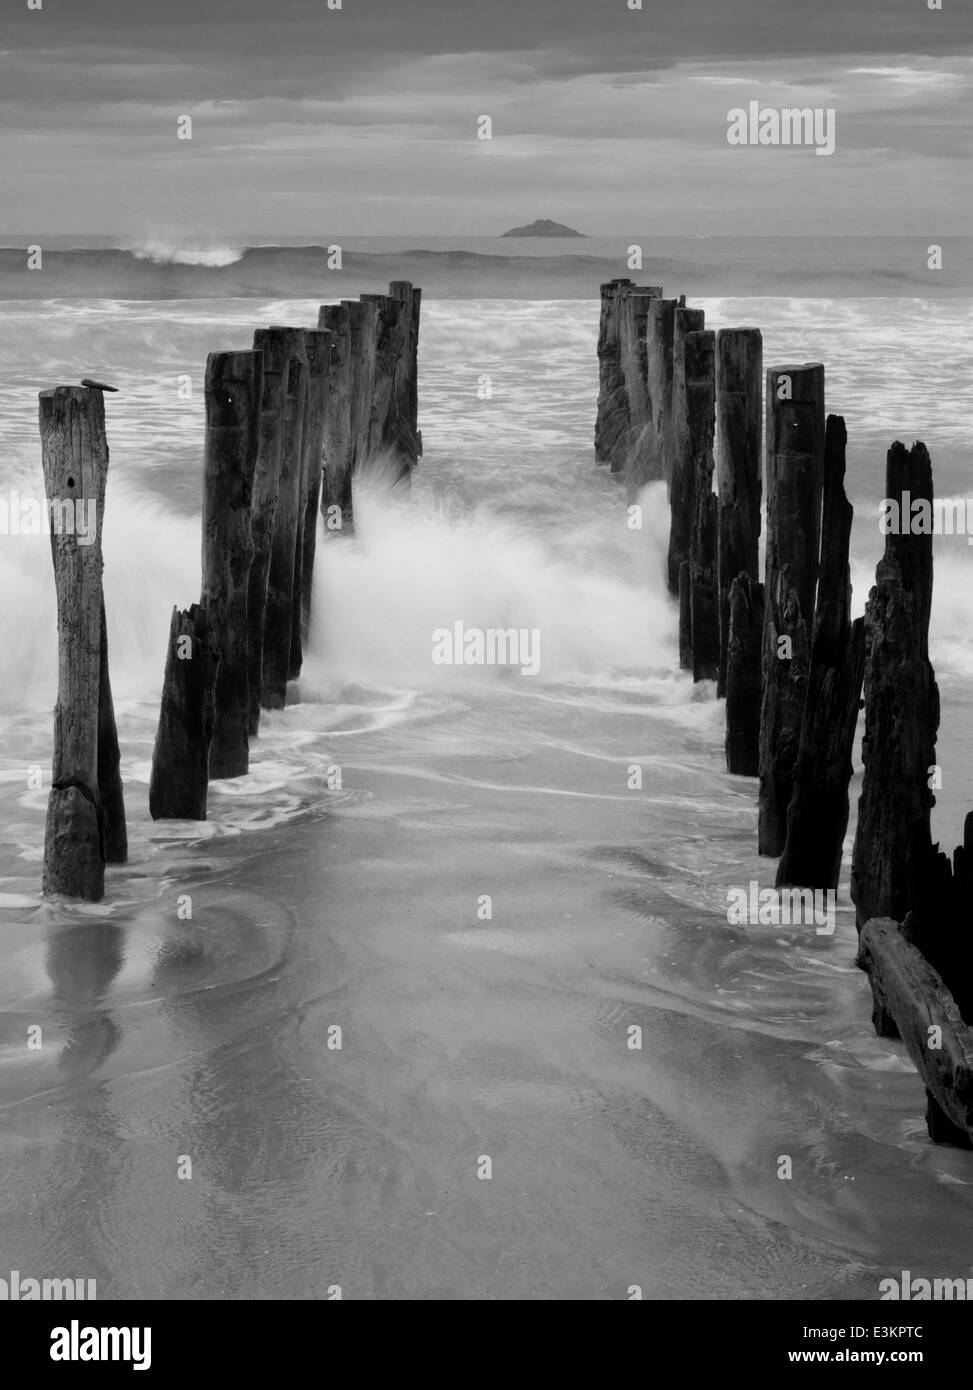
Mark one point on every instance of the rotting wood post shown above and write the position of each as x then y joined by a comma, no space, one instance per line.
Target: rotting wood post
700,365
817,817
318,347
85,786
682,480
234,386
179,780
739,388
795,481
743,654
901,700
279,608
263,504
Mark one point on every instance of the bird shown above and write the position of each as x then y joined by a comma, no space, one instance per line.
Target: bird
96,385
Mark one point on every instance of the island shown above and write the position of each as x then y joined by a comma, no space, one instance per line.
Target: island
543,227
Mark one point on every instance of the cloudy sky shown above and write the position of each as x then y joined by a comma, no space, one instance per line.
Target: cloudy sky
314,121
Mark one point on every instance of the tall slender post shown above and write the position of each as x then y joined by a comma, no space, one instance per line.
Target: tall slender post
700,362
739,385
263,507
682,481
318,347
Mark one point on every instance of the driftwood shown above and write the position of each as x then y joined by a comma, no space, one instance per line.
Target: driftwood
911,1001
85,787
901,706
795,480
181,757
817,817
234,384
739,381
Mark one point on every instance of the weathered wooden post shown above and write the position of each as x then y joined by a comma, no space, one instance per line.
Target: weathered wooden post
817,817
363,329
901,697
338,451
685,617
700,369
634,444
279,608
318,347
612,416
795,480
263,504
85,785
234,387
179,779
743,682
404,421
739,388
659,329
682,481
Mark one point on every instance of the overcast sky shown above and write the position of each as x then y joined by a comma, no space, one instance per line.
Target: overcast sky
363,120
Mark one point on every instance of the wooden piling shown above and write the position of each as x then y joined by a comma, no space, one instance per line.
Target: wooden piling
78,831
263,505
700,372
279,607
743,680
817,817
739,383
633,450
234,386
612,416
317,344
337,448
795,480
901,703
402,429
181,757
659,329
682,481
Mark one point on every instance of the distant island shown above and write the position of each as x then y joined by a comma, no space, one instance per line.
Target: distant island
543,227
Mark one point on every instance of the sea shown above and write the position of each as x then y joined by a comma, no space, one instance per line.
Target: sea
442,1000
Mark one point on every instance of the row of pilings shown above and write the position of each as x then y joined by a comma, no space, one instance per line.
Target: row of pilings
289,422
697,410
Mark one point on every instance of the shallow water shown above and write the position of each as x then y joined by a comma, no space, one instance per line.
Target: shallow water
360,907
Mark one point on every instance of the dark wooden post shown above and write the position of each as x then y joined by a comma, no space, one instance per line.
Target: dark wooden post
682,482
234,385
743,655
612,414
659,329
338,451
263,505
633,450
85,785
700,364
817,817
318,347
279,608
739,384
795,480
181,757
901,703
404,420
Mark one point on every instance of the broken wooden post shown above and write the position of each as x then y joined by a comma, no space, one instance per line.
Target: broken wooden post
85,785
795,480
901,697
910,998
743,678
318,347
739,388
279,607
659,328
234,386
337,449
700,367
817,817
181,757
682,480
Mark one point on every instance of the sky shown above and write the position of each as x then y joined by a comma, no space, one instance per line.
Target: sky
319,121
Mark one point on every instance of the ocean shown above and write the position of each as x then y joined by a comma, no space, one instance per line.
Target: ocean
337,892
